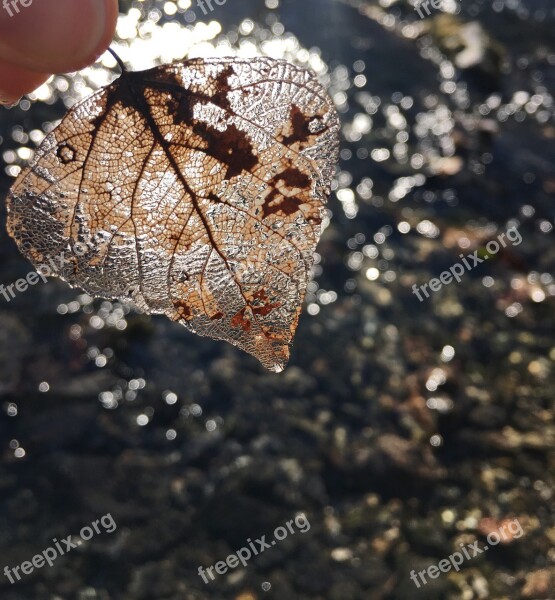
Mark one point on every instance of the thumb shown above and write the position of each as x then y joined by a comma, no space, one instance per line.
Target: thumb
40,37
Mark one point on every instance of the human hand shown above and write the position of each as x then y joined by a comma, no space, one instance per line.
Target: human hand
41,37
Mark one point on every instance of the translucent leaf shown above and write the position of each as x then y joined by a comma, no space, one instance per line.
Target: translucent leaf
194,190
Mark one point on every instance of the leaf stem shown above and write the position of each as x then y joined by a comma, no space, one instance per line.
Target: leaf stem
118,60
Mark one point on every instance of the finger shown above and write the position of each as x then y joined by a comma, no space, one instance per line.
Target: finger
55,36
15,82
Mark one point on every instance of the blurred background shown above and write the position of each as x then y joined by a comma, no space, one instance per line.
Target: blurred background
401,429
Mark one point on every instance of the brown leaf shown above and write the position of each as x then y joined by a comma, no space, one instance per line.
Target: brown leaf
194,190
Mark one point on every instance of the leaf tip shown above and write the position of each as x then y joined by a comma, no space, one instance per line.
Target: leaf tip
273,356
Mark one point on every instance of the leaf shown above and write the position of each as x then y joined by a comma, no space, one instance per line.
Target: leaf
194,190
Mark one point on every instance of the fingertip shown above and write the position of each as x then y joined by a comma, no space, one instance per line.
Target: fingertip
16,82
109,22
57,36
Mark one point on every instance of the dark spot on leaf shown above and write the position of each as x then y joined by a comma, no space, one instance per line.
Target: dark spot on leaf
294,178
183,309
220,98
180,108
66,153
276,203
231,147
213,197
300,125
239,320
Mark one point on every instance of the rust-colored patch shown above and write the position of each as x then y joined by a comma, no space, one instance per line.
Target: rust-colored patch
315,220
183,310
276,203
231,147
264,308
260,295
299,126
240,320
259,305
299,123
294,178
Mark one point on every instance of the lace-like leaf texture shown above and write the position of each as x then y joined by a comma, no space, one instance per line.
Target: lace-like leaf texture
194,190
